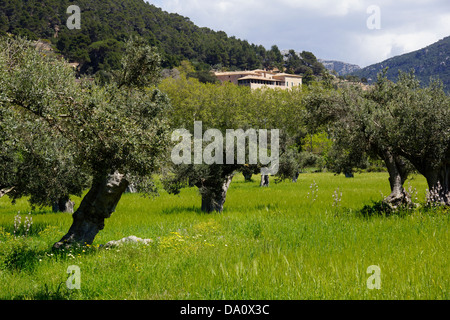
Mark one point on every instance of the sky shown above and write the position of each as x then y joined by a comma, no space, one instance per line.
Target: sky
361,32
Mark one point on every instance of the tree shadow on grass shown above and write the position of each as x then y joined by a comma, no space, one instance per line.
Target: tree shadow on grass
23,254
19,255
381,209
60,292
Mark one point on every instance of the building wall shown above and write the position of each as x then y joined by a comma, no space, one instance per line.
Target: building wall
255,86
292,82
260,85
233,77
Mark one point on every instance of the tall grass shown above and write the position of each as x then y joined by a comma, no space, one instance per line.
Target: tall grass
269,243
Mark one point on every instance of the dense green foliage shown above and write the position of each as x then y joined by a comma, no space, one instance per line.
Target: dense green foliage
57,130
400,123
304,63
105,25
429,62
230,107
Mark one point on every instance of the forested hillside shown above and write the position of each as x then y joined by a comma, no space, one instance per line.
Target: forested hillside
432,61
106,24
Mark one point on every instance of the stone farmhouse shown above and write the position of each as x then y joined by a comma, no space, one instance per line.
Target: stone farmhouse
256,79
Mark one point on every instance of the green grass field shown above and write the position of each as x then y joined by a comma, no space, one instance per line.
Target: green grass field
269,244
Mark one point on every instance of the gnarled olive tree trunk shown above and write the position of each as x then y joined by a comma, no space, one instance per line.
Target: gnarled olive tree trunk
64,204
398,173
98,204
438,180
214,196
264,181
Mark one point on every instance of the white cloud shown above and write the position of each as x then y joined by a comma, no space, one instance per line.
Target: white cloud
398,36
330,29
376,48
324,7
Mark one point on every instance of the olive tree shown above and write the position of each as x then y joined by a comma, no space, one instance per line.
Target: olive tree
224,108
401,123
352,120
415,122
114,132
37,165
8,158
35,159
214,107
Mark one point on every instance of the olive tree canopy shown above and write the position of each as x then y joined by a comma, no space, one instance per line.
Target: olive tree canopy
111,132
406,126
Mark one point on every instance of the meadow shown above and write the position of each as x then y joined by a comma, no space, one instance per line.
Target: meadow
288,241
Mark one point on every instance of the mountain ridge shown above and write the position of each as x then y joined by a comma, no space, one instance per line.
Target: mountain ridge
341,68
432,61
